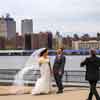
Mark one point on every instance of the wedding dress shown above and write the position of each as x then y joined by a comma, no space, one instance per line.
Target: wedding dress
43,84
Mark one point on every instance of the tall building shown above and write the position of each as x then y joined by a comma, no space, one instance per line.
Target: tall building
54,43
35,41
7,27
67,42
19,41
27,41
43,40
2,43
50,40
3,27
58,40
38,40
84,44
26,26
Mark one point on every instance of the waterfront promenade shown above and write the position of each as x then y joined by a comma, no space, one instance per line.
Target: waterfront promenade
70,93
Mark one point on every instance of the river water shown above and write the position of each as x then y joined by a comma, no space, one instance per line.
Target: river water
18,62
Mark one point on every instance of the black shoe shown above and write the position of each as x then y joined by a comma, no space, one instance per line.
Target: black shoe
98,99
60,91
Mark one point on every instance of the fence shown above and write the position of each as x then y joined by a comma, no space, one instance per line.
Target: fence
7,76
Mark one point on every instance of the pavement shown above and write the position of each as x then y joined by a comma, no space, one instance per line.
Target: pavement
70,93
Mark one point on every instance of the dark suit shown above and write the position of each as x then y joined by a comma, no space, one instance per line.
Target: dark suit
59,64
92,74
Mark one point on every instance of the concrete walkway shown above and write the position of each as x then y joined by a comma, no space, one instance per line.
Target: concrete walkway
70,93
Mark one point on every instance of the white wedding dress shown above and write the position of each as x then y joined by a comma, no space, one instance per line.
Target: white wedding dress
43,84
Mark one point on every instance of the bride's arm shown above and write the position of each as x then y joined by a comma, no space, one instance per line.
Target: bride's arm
40,61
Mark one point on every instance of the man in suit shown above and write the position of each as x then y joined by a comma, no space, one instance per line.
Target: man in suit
58,69
92,73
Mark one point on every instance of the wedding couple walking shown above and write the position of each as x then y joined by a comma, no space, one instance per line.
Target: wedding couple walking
43,84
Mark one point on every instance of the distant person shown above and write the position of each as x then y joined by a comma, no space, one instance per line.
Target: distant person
92,73
58,69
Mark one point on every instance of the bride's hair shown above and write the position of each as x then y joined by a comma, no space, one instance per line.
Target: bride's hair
44,51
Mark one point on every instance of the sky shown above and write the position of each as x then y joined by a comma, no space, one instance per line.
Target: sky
55,15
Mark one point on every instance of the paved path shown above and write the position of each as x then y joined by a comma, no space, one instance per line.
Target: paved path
70,93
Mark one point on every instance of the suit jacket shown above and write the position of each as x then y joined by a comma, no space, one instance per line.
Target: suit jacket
92,68
59,64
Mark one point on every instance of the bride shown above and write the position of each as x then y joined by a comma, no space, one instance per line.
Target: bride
43,84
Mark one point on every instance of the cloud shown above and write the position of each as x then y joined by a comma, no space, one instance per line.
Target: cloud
55,14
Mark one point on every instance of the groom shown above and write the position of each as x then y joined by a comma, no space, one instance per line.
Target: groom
58,69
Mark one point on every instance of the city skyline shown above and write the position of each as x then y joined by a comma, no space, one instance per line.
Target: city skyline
55,15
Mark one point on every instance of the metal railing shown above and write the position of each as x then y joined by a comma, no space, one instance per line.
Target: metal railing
7,76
